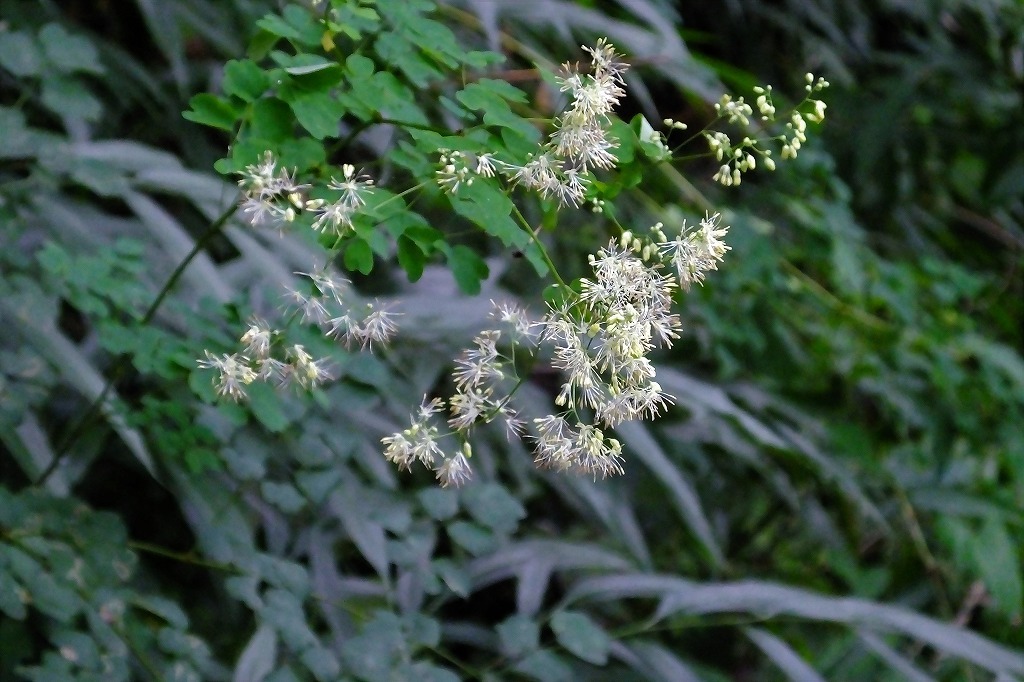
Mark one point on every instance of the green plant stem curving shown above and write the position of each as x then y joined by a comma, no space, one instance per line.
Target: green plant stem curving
120,366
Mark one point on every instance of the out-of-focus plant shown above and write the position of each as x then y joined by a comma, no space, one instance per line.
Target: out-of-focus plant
601,328
274,529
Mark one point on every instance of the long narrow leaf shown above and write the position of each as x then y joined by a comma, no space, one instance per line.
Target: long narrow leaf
642,446
80,374
784,658
769,600
893,659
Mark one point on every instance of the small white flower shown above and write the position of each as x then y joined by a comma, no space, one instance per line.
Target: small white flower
303,371
454,171
336,216
696,252
556,446
468,407
454,470
478,365
485,165
515,317
257,339
376,328
234,373
353,187
327,284
597,455
311,307
419,441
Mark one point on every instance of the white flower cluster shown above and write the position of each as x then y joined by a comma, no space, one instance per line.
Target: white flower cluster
337,215
797,126
579,143
601,338
272,195
738,158
482,379
265,357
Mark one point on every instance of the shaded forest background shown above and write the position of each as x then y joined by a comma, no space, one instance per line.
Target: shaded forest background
836,495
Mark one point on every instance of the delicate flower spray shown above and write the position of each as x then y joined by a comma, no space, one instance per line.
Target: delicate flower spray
321,297
600,337
598,334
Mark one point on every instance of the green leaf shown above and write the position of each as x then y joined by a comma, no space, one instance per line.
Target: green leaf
518,635
244,80
424,672
359,66
272,120
265,404
411,258
321,662
302,153
69,52
581,636
314,65
283,496
359,256
473,538
46,594
391,98
996,556
394,49
780,653
422,631
545,666
284,612
440,503
493,506
489,208
492,97
680,596
166,609
68,97
682,492
318,112
454,576
259,656
296,24
10,602
20,54
624,136
467,267
102,178
214,111
317,485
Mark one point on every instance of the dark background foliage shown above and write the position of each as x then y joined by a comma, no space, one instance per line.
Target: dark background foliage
837,493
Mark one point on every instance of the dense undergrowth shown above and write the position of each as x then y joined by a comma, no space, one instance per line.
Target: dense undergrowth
834,494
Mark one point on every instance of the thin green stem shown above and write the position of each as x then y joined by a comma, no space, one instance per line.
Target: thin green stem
336,246
121,365
533,237
864,317
183,557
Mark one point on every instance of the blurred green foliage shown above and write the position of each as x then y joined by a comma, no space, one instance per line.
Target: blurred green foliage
836,495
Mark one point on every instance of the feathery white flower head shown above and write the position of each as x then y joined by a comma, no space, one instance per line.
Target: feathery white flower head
234,373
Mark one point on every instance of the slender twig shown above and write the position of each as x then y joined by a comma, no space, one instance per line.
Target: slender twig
183,557
121,365
524,223
862,316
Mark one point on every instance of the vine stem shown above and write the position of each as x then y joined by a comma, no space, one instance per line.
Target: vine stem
533,237
120,366
183,557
